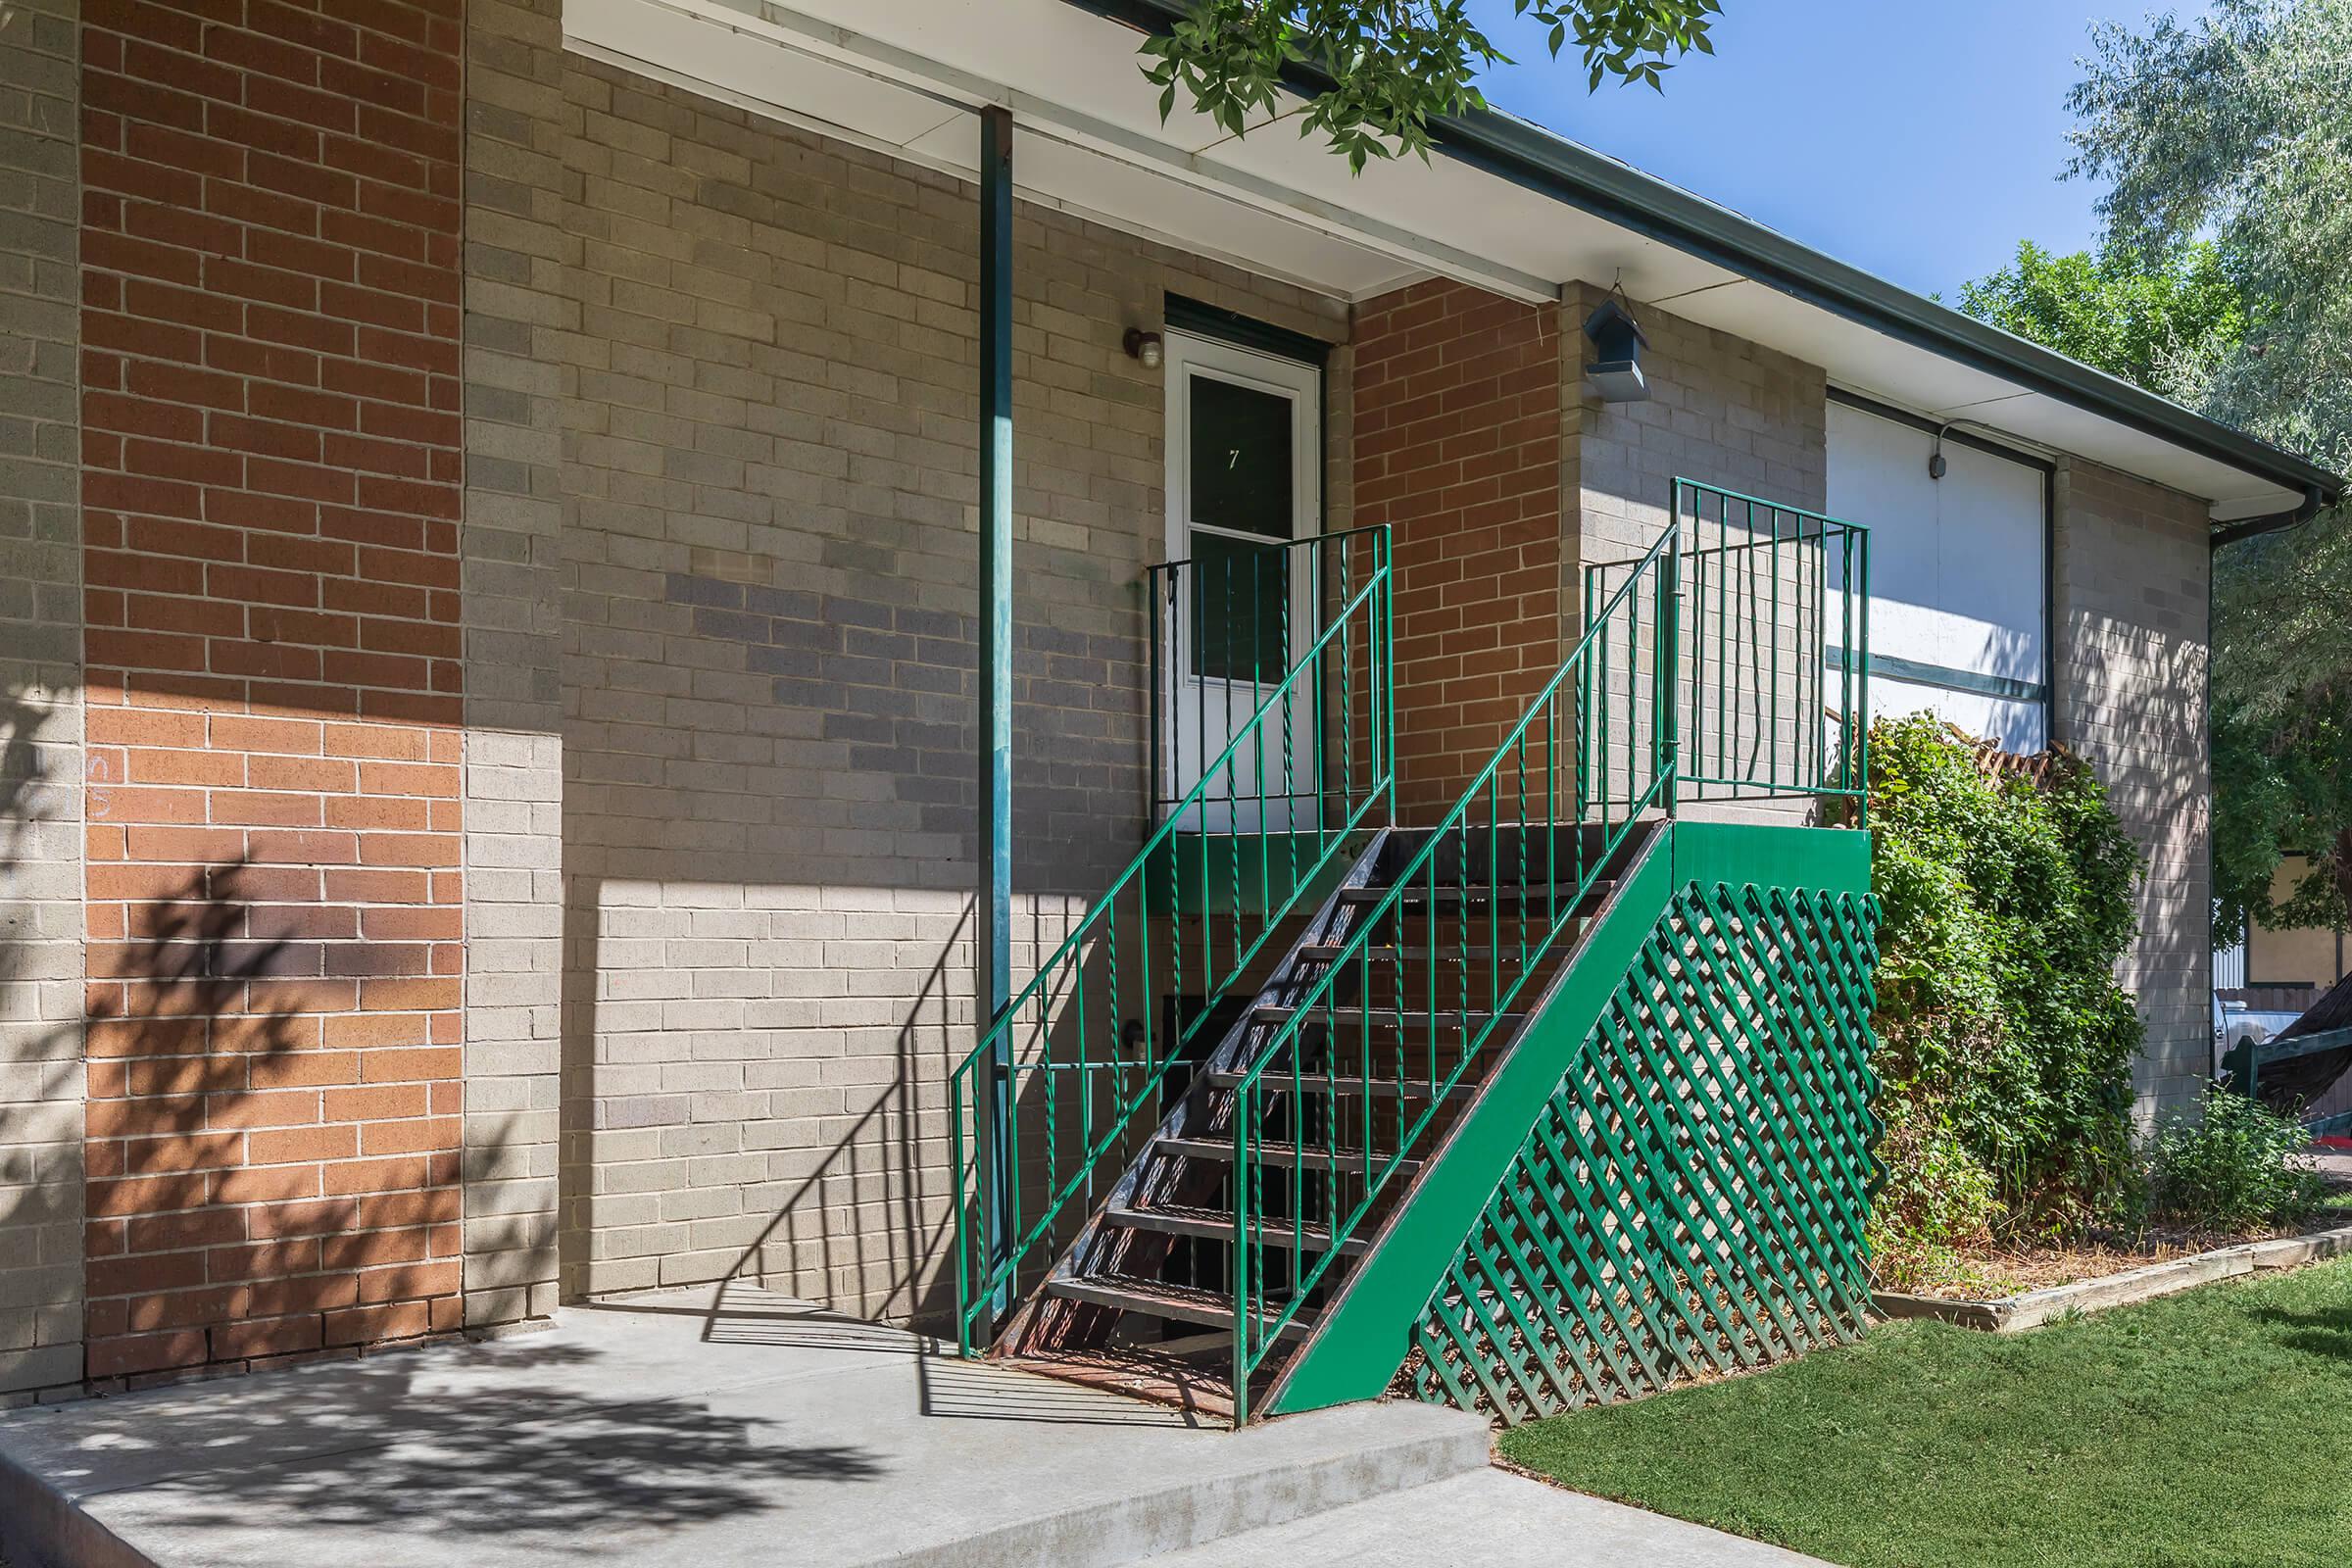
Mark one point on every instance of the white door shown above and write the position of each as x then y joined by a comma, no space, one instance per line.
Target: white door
1958,575
1244,479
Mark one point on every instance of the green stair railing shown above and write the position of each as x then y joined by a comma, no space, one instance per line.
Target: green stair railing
1514,858
1271,691
1773,597
1703,670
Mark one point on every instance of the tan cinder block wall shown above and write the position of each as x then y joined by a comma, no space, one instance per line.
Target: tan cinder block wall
41,1074
2131,588
766,351
518,311
1722,411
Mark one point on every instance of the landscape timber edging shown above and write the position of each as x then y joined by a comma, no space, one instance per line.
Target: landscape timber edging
2013,1314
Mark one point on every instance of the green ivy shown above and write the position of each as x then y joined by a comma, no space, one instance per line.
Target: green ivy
2006,1044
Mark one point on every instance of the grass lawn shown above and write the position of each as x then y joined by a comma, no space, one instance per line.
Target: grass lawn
2212,1428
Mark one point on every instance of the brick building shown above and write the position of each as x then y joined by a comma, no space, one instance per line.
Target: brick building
491,609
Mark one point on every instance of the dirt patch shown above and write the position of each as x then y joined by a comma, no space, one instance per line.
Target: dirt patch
2011,1272
2008,1271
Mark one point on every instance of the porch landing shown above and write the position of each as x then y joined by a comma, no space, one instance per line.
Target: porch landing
724,1429
695,1428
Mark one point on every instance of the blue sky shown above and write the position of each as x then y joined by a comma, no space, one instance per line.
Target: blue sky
1917,141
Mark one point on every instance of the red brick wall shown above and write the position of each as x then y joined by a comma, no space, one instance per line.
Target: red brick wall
269,264
1457,447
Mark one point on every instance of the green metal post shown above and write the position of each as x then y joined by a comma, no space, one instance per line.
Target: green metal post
991,953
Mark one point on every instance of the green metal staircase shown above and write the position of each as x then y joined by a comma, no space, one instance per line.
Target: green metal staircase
1502,1106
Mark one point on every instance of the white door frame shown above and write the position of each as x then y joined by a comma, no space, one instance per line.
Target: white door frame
1204,712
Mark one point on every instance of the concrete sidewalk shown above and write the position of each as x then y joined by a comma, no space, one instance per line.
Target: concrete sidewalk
701,1429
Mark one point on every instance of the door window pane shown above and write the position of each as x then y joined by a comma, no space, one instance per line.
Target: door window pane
1240,608
1242,459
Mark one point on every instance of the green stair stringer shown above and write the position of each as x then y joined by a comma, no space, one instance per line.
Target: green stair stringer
1670,1171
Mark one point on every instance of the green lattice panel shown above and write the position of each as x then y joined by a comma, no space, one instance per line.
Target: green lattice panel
1691,1201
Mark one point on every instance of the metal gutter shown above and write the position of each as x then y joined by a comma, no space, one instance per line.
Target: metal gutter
2248,528
1540,160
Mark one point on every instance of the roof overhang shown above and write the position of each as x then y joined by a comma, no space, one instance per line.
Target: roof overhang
1507,206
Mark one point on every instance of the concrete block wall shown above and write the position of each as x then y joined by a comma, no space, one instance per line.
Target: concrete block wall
2133,575
1723,412
40,704
769,473
517,253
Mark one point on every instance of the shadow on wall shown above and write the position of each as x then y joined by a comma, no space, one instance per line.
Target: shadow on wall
537,1441
877,1165
179,1202
866,1230
41,1138
892,1166
857,1212
2131,704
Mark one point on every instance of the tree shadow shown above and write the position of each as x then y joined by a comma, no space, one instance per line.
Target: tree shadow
524,1441
163,1204
2128,699
2325,1332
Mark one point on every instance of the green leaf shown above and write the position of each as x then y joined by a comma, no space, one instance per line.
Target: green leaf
1393,64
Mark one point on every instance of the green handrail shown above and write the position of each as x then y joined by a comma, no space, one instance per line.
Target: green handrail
1258,1320
1766,580
1346,667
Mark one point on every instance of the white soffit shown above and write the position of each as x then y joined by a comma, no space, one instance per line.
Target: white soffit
1871,363
904,75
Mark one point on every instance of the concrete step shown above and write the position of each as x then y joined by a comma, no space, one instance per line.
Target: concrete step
1164,1513
1487,1517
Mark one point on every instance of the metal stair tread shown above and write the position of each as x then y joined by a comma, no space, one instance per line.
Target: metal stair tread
1345,1013
1177,1303
1419,895
1323,1083
1216,1224
1219,1150
1325,952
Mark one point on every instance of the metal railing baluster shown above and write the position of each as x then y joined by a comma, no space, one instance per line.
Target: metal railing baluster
1098,966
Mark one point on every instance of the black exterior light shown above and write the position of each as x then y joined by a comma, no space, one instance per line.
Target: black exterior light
1617,343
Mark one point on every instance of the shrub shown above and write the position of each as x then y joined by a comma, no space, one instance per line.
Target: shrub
2239,1167
2005,1044
1934,1200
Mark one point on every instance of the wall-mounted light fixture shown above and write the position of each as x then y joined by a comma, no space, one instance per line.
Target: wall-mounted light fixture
1141,345
1618,342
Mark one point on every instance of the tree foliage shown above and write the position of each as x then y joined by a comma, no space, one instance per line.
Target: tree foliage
2151,323
2238,125
1393,65
2287,784
2224,281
